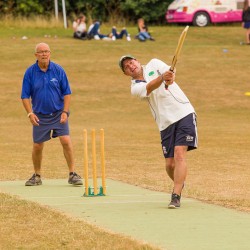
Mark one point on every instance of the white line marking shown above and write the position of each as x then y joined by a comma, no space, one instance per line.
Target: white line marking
124,195
107,202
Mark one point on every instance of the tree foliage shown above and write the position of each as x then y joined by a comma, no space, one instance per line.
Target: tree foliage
26,7
153,11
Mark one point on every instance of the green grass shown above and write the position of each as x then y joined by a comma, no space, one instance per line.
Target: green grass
215,81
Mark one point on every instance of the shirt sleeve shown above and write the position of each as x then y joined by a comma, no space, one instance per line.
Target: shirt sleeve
26,86
61,75
139,89
65,87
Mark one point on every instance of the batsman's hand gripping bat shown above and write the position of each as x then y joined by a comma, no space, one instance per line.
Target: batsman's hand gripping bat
178,50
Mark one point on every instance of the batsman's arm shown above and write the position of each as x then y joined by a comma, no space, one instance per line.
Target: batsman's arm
154,84
171,78
167,77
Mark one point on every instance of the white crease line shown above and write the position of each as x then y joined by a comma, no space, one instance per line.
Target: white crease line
94,203
109,196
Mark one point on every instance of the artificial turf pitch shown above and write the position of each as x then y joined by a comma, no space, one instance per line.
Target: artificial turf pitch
143,214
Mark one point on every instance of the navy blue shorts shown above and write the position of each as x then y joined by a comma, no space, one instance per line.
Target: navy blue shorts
247,25
181,133
49,127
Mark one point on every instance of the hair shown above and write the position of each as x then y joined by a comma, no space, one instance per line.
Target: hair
39,44
81,16
140,20
246,5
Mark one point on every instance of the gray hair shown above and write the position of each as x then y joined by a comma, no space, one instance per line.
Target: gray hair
39,44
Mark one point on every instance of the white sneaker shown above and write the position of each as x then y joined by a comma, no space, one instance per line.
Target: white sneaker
107,38
96,37
113,38
128,38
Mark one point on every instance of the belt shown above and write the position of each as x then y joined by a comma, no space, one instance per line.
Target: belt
49,115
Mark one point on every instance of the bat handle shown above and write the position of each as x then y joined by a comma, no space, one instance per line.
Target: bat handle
172,70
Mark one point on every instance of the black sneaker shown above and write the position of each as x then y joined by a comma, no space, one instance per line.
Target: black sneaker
35,180
75,179
175,201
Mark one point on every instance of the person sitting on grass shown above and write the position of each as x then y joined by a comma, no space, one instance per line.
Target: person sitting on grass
94,31
143,31
119,35
79,27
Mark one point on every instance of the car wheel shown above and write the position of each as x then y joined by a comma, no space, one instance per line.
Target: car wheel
201,19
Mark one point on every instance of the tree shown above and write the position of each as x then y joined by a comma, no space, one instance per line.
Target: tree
28,8
115,11
153,11
6,7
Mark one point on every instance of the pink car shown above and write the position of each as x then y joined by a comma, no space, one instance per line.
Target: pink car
203,12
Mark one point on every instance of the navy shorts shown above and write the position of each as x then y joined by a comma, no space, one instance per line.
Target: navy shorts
247,25
180,133
49,127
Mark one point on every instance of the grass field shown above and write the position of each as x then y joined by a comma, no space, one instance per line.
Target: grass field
213,72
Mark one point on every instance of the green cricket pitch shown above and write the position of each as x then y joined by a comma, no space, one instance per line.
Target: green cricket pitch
143,214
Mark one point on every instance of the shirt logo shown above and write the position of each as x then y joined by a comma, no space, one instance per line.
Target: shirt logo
54,80
151,73
189,138
164,150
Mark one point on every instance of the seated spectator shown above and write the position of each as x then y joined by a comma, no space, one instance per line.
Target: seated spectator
119,35
94,31
79,27
143,31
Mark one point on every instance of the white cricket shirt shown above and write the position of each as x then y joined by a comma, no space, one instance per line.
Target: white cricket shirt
167,106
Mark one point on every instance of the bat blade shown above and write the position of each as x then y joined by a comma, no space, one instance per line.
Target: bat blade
179,47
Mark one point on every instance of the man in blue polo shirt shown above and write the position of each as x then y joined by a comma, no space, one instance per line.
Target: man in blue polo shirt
46,99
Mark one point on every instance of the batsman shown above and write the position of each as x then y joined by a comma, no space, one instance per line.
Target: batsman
174,114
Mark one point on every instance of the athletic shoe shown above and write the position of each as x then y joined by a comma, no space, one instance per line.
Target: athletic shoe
96,37
152,39
181,189
128,38
175,201
75,179
106,38
35,180
113,38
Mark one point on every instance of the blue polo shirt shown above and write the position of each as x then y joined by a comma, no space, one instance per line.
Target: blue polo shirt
46,89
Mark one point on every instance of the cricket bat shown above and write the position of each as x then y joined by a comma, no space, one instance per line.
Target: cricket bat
178,49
